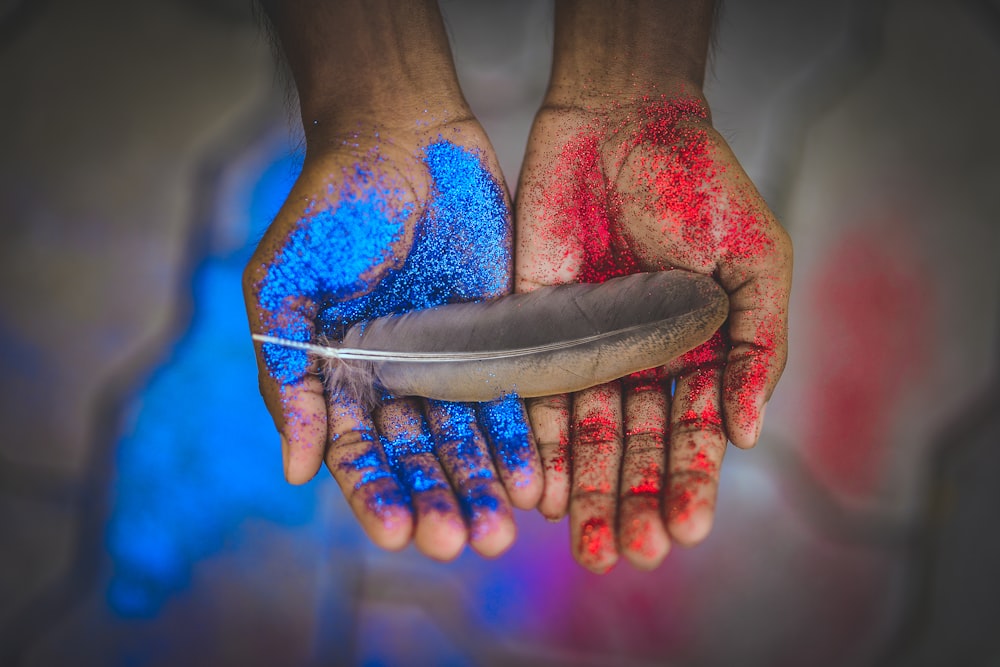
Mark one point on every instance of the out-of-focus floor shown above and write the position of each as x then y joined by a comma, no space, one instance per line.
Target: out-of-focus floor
143,519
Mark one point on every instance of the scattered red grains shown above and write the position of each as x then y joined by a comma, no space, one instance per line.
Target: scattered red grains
596,538
650,482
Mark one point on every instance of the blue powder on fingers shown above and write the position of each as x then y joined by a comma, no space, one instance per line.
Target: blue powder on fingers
371,467
506,424
470,465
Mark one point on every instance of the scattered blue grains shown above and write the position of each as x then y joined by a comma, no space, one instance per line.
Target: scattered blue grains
461,248
461,252
506,425
325,259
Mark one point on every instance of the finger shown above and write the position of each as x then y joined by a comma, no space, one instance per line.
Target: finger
549,419
298,408
505,424
462,451
642,533
697,445
289,383
695,206
758,330
440,531
358,462
597,452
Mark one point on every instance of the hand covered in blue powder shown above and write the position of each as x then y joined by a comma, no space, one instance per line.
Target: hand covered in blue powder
374,227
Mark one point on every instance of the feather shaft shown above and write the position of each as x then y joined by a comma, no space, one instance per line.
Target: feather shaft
553,340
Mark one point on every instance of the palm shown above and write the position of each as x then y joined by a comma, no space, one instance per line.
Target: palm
370,229
644,188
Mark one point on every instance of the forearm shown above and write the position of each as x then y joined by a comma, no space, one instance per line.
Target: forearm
358,61
616,49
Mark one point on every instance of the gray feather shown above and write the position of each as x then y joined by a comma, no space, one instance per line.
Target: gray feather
553,340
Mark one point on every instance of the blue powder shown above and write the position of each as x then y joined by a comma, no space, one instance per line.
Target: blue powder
371,466
480,501
506,425
324,259
461,252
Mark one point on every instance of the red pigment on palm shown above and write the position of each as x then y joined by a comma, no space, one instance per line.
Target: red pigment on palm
693,198
581,211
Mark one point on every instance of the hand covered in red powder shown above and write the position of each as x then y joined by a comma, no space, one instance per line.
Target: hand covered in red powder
609,189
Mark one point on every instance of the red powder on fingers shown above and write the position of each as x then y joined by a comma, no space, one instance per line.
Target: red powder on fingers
702,463
684,498
597,428
596,538
747,382
636,534
558,463
650,481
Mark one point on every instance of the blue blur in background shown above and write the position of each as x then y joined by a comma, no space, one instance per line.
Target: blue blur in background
201,454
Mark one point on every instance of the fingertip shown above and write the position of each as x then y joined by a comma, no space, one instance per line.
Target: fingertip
393,529
690,527
284,455
648,558
299,473
744,431
597,565
594,545
496,540
642,534
526,494
554,503
440,536
302,460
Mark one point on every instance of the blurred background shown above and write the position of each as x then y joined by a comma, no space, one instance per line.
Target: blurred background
144,147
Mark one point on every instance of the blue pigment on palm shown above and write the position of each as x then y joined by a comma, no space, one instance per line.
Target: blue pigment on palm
460,252
325,258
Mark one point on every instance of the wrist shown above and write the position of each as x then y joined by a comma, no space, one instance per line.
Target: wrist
361,64
608,53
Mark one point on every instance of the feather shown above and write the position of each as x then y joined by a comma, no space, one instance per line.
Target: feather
553,340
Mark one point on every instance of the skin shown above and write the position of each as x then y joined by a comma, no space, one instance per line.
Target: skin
375,90
635,466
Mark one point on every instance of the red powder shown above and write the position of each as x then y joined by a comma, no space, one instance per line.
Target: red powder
703,463
650,482
680,504
557,463
578,204
595,538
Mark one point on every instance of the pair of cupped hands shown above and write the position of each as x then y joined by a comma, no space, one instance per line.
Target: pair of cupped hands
403,213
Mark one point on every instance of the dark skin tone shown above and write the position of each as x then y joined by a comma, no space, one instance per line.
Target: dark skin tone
633,463
376,87
644,463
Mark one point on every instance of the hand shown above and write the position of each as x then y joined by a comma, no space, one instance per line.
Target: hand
611,189
399,206
375,227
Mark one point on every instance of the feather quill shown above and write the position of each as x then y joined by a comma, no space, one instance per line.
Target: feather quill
553,340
